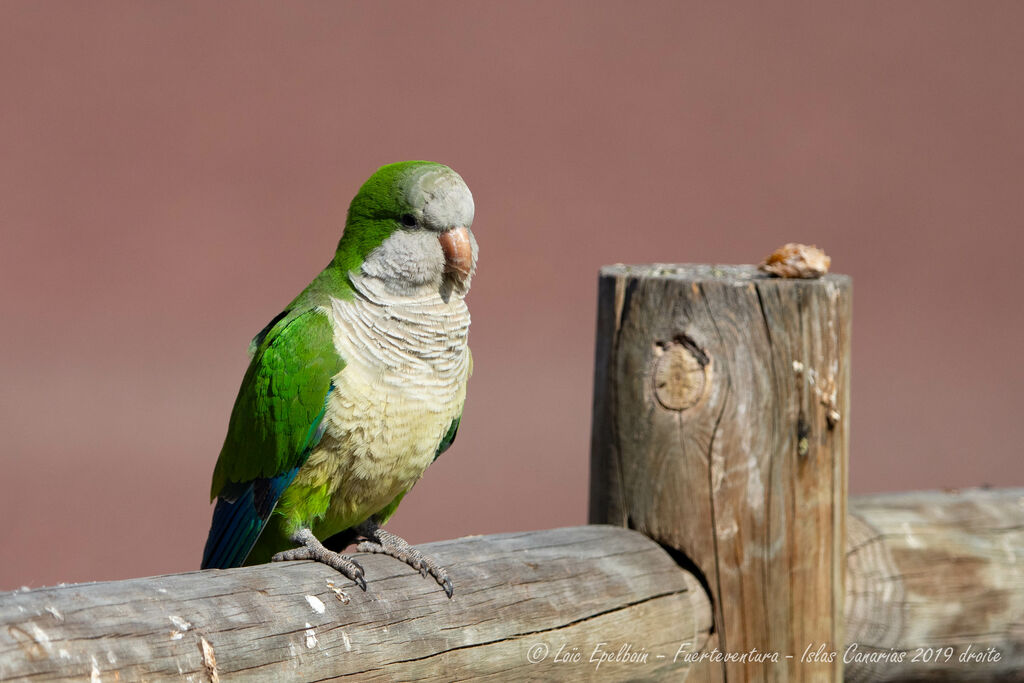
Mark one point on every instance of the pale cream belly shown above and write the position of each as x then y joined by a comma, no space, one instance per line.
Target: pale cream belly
404,382
378,441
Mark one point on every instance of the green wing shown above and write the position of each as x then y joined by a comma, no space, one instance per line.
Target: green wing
453,429
275,424
276,418
449,438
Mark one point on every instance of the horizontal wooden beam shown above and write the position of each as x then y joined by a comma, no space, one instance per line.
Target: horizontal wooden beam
519,598
935,586
926,571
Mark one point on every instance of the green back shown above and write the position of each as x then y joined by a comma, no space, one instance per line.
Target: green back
277,414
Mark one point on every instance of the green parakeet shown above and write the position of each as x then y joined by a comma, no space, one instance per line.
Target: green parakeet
356,387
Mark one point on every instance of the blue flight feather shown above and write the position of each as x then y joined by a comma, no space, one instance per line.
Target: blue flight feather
241,512
243,508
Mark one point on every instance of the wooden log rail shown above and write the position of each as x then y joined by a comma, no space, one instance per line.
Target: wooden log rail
303,621
937,580
925,572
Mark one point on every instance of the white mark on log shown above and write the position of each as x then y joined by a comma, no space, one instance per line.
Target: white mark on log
913,541
890,591
755,487
348,643
209,660
1011,550
40,637
727,528
94,674
825,390
717,471
179,622
63,654
56,614
111,658
311,640
180,625
161,590
316,603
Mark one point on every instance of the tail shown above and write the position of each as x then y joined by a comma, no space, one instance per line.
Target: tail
239,517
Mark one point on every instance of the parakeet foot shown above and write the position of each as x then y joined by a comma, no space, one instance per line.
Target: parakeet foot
380,541
310,548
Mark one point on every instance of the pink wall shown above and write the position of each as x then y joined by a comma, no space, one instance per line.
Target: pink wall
172,173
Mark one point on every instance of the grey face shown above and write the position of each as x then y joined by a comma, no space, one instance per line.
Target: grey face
439,199
438,210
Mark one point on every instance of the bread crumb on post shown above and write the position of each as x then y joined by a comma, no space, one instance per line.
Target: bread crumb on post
796,261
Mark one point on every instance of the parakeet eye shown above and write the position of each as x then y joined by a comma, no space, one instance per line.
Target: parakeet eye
408,220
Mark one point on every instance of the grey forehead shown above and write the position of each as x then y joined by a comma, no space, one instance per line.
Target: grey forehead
443,197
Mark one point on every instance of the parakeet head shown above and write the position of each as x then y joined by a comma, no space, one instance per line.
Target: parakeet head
409,226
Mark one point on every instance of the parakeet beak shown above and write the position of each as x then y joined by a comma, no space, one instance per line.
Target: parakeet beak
458,252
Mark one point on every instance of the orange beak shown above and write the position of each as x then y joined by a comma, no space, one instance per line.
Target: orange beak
458,252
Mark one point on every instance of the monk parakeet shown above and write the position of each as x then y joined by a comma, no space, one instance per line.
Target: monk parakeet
356,387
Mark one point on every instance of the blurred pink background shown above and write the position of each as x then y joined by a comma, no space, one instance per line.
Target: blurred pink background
171,174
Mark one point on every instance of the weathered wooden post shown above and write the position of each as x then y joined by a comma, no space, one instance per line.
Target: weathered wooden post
721,415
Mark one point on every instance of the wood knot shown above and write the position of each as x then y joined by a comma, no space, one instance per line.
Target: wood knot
681,373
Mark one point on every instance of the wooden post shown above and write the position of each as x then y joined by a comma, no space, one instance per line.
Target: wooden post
721,414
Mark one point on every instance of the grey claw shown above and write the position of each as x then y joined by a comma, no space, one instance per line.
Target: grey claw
381,541
310,548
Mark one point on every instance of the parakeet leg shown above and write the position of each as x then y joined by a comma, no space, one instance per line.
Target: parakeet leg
380,541
310,548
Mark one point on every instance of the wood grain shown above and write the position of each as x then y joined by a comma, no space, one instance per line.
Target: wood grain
749,481
926,571
937,577
574,587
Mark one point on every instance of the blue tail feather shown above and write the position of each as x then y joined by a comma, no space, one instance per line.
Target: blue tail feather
241,512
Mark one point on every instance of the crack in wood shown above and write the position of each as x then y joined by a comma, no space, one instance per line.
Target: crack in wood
524,634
